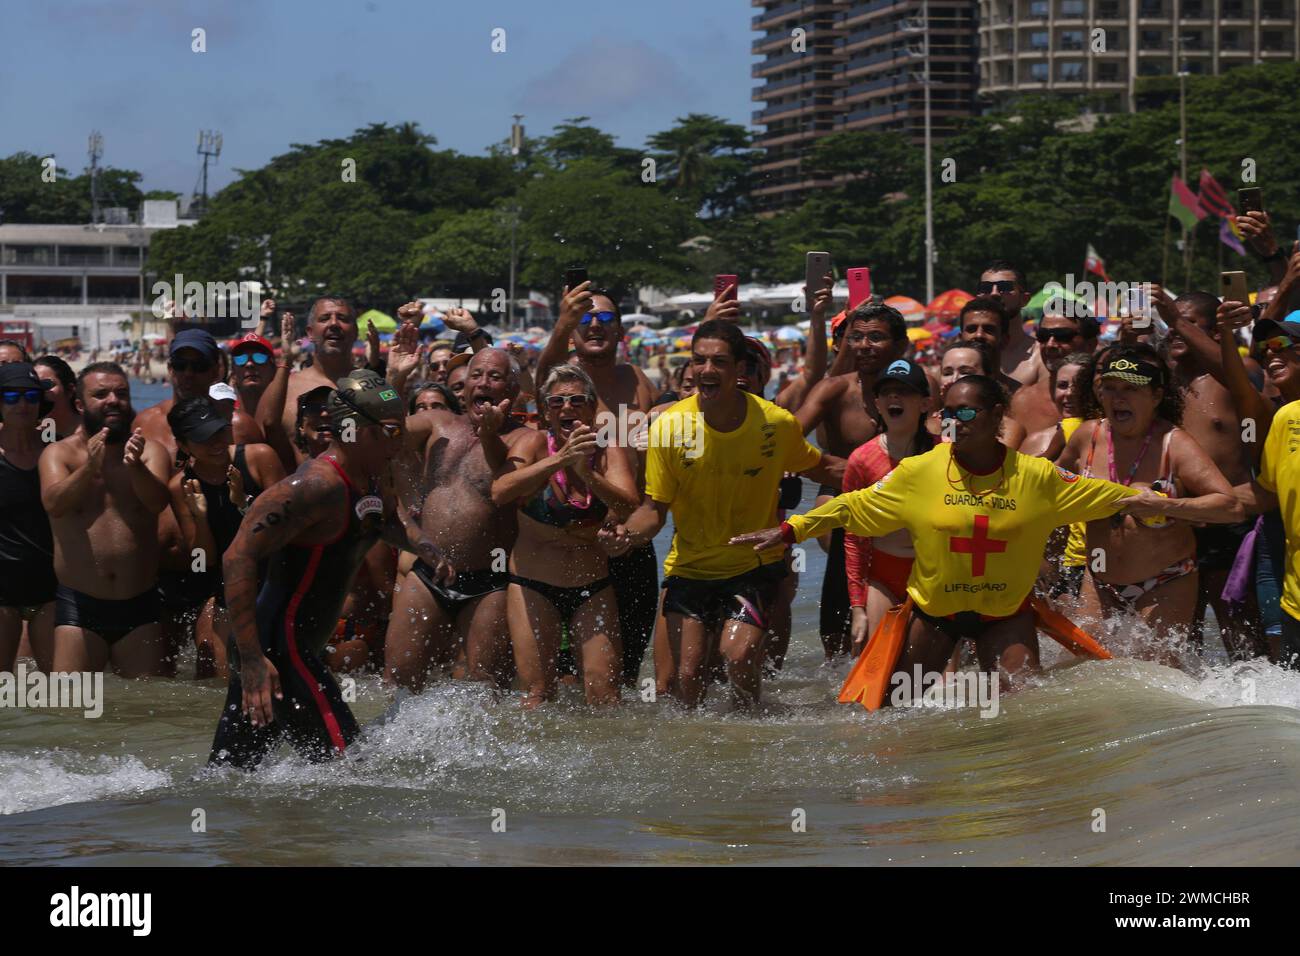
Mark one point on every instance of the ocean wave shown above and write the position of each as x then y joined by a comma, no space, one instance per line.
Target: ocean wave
50,778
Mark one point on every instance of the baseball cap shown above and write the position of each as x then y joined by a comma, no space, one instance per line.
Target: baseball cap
1127,370
21,375
196,419
904,373
838,322
315,396
459,359
1267,328
253,341
365,398
221,392
197,339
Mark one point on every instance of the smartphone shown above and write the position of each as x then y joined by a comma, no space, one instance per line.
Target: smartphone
1138,305
859,286
574,277
1232,286
721,282
1252,198
815,267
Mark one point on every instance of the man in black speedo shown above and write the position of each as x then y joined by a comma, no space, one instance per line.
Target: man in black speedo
314,528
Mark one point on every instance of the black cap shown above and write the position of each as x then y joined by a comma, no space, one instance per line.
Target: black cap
315,396
904,373
1267,328
196,419
21,375
1134,372
199,340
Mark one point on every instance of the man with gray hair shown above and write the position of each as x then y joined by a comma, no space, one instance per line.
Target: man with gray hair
462,625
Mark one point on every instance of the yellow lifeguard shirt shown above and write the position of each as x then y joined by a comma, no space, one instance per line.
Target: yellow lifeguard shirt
1279,472
979,539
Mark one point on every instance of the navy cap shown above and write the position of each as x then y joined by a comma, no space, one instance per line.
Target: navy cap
904,373
199,340
1267,328
15,375
196,419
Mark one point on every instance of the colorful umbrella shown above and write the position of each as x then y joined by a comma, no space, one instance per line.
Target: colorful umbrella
947,305
1034,307
917,334
912,310
788,333
384,323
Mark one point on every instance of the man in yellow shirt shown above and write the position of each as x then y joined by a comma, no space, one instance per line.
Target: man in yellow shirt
715,462
1279,475
979,515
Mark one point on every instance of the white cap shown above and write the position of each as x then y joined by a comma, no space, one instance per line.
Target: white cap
221,392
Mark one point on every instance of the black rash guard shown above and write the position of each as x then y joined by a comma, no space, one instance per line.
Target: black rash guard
297,613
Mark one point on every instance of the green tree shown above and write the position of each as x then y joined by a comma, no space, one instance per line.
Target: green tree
466,255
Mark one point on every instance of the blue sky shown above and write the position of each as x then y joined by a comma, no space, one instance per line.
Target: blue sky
288,71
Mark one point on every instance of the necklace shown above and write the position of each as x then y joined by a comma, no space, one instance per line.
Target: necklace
1110,453
959,485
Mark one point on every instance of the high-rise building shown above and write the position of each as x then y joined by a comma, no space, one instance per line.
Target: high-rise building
858,64
1102,47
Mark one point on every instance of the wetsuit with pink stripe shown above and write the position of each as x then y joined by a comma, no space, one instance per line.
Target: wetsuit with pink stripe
297,612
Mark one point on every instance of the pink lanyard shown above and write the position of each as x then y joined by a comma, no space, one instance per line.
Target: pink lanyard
1110,453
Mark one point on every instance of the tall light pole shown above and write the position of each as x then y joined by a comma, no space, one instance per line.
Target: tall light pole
1182,150
516,147
924,29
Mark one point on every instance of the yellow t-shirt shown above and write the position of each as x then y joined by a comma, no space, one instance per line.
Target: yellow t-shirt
721,484
972,553
1279,472
1076,548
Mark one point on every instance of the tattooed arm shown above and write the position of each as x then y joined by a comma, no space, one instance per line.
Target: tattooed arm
306,508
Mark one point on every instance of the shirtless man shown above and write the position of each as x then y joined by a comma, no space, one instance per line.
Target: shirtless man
103,488
1004,281
877,335
431,621
590,321
1210,417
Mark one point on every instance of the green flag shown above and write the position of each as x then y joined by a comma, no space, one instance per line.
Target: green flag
1183,204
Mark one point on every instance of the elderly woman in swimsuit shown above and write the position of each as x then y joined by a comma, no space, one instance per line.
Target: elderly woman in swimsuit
567,487
1145,568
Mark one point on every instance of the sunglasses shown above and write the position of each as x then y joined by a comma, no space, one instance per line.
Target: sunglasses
963,414
257,358
32,395
559,401
1278,343
1059,335
604,318
196,365
1002,285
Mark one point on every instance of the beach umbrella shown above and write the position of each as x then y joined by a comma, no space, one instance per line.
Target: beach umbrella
384,323
911,310
918,334
1034,307
788,333
432,323
947,305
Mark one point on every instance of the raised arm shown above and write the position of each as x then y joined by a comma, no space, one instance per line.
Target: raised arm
1247,400
814,366
616,485
147,464
818,403
575,303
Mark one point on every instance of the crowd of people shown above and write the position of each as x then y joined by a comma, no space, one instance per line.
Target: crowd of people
453,511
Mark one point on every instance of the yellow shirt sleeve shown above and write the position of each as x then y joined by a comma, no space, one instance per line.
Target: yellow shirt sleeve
802,455
1267,477
870,512
1084,499
660,476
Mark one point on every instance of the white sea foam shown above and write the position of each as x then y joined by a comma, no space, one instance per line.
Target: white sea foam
49,778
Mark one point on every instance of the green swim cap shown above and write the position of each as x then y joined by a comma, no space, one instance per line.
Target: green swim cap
364,398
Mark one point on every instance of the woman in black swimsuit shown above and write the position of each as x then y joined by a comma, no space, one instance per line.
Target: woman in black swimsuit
27,580
210,494
567,487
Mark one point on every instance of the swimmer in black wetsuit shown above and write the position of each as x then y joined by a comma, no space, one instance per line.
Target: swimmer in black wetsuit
568,487
314,528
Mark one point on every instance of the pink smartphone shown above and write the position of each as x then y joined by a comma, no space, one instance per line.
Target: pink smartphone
859,286
721,282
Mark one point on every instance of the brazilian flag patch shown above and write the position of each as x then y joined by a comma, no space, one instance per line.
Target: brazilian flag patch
387,395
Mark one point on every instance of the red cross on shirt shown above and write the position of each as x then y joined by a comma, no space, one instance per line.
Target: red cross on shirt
978,545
